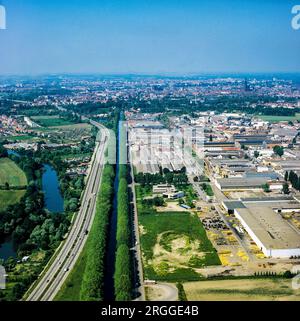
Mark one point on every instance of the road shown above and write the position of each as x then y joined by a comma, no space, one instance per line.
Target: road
54,277
219,199
141,288
164,292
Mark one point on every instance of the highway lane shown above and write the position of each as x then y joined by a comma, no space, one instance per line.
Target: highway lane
53,279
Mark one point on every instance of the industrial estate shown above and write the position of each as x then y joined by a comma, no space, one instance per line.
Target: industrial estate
150,188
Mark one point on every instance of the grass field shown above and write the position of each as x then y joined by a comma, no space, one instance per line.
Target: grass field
9,198
51,121
20,138
174,245
274,119
242,290
11,173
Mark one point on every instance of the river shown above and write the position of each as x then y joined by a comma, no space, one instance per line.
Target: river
54,201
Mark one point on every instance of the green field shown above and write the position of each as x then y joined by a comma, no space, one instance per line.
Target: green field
274,119
51,121
20,138
174,246
242,290
11,173
10,198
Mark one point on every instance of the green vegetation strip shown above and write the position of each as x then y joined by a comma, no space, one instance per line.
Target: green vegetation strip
93,277
274,119
122,268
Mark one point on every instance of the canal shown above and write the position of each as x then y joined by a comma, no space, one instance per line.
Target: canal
109,289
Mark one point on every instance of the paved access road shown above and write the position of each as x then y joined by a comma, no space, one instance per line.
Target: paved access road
55,275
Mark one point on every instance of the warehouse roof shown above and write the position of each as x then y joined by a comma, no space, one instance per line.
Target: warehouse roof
269,227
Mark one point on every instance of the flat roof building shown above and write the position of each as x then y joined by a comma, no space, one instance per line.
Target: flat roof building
270,231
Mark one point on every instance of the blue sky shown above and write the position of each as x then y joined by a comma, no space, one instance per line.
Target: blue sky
150,36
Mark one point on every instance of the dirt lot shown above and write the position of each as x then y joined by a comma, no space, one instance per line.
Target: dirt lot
180,250
161,292
171,207
244,194
242,290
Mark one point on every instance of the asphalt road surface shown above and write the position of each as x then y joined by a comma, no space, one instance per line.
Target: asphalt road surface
53,279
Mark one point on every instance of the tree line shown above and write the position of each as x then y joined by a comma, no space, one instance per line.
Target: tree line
122,277
293,178
92,287
164,176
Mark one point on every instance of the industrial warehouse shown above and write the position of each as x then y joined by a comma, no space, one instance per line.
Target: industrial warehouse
265,221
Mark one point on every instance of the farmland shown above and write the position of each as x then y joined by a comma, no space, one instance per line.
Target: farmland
242,290
274,119
174,246
10,173
51,121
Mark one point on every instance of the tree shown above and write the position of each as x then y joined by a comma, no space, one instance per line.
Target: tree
256,154
286,176
285,188
278,150
3,151
266,188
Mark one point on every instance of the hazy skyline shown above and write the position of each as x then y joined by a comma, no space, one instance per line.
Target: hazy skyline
114,36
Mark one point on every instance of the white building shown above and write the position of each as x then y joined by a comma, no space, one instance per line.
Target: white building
261,219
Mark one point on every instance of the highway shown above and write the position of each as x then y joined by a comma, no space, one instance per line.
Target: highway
52,280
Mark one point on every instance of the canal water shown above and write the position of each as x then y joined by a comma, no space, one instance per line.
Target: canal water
109,290
53,202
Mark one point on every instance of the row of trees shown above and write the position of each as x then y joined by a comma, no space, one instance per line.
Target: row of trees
122,275
93,278
293,178
167,177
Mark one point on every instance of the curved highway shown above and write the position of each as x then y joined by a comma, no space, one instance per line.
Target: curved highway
53,279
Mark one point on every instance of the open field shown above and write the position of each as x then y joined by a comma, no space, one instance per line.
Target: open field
244,194
11,173
74,126
174,246
50,121
20,138
241,290
274,119
9,198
